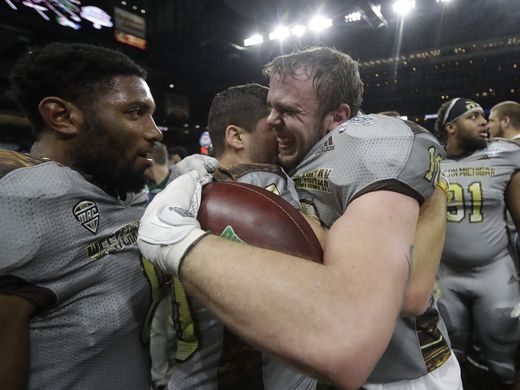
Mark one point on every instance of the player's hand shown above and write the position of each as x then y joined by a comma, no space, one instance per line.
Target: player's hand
169,226
515,313
197,162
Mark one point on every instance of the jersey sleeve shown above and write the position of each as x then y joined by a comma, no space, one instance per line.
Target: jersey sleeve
392,155
21,241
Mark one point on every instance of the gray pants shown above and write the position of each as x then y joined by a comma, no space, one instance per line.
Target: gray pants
476,303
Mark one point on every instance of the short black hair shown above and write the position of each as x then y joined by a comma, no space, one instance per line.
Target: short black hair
242,106
72,71
178,150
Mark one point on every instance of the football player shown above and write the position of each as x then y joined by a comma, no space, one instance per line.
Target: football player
214,357
504,120
477,277
364,176
76,296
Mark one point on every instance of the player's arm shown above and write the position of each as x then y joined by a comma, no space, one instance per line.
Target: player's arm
15,313
428,245
333,320
513,199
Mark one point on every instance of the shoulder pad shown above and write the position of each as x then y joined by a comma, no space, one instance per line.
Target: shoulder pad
10,161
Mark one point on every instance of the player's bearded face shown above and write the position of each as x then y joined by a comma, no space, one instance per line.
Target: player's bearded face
103,154
472,132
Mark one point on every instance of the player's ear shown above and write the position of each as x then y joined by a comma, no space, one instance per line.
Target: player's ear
339,115
506,120
450,128
61,115
235,137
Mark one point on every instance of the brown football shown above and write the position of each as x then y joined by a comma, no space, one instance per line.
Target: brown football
247,213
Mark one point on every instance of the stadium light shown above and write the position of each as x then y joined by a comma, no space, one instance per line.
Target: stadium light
403,7
298,30
253,40
443,1
279,33
353,17
319,23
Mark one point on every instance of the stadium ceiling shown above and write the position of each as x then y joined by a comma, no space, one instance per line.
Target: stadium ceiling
196,47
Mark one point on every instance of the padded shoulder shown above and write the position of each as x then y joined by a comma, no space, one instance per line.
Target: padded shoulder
10,161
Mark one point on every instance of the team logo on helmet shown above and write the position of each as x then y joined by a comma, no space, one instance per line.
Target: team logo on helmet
86,213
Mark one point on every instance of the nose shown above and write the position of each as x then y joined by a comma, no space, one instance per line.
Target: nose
152,132
274,119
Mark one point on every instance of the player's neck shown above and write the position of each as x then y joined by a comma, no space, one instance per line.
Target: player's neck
453,150
228,160
511,133
50,151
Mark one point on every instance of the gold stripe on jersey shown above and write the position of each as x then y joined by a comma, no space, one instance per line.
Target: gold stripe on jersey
10,161
187,340
155,284
434,348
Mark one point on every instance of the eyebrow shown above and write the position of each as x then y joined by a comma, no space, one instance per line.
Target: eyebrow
148,104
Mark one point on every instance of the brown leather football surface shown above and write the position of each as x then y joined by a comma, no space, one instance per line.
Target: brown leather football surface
243,212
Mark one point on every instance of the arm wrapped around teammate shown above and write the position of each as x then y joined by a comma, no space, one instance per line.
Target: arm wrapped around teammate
169,226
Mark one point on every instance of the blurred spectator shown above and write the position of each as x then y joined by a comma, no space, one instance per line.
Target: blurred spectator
162,336
504,120
177,153
159,173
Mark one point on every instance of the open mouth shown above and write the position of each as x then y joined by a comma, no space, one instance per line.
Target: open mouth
284,143
146,156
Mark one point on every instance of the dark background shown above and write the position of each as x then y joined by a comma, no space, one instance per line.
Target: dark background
195,48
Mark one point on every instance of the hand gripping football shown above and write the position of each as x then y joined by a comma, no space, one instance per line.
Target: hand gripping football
246,213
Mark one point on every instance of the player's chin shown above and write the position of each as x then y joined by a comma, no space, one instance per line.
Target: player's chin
287,160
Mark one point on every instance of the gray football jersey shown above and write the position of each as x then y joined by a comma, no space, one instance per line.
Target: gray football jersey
369,153
476,233
71,249
211,357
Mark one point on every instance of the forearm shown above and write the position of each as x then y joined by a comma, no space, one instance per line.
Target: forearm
14,342
327,319
428,245
266,297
